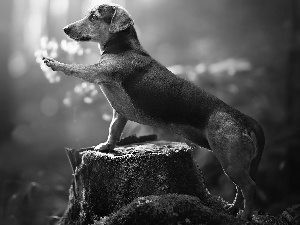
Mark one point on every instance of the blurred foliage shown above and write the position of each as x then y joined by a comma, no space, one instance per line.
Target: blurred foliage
236,50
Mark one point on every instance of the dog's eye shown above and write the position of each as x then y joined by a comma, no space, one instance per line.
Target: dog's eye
93,17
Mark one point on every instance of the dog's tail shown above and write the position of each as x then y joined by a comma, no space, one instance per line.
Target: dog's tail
258,138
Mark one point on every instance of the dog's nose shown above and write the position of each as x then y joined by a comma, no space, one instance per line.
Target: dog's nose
67,29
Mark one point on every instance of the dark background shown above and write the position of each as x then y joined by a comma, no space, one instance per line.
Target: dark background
246,52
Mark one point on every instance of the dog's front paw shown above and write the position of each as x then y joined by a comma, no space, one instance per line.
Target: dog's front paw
52,63
104,147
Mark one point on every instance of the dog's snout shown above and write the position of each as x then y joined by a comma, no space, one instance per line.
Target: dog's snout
67,29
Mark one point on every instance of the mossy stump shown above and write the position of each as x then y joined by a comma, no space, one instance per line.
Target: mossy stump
105,182
147,183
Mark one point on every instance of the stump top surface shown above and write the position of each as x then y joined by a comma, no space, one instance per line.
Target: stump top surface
154,147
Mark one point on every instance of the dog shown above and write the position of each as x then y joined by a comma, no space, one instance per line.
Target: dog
140,89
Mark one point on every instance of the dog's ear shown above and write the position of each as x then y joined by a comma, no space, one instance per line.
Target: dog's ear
120,20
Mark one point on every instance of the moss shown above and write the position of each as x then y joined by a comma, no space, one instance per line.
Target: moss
167,209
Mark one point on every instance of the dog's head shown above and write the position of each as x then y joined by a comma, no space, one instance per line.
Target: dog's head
100,22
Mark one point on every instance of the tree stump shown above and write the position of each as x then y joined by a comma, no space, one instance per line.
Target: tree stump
104,182
150,183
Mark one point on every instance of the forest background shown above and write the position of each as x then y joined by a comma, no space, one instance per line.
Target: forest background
244,52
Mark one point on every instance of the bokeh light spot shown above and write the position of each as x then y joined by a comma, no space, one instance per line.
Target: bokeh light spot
106,117
23,134
49,106
17,65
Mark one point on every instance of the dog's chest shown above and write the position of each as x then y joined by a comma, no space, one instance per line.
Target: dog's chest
120,100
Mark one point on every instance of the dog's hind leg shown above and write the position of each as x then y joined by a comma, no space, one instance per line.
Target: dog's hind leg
235,151
247,187
237,203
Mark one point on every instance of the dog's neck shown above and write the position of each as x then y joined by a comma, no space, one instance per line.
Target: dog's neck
121,41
